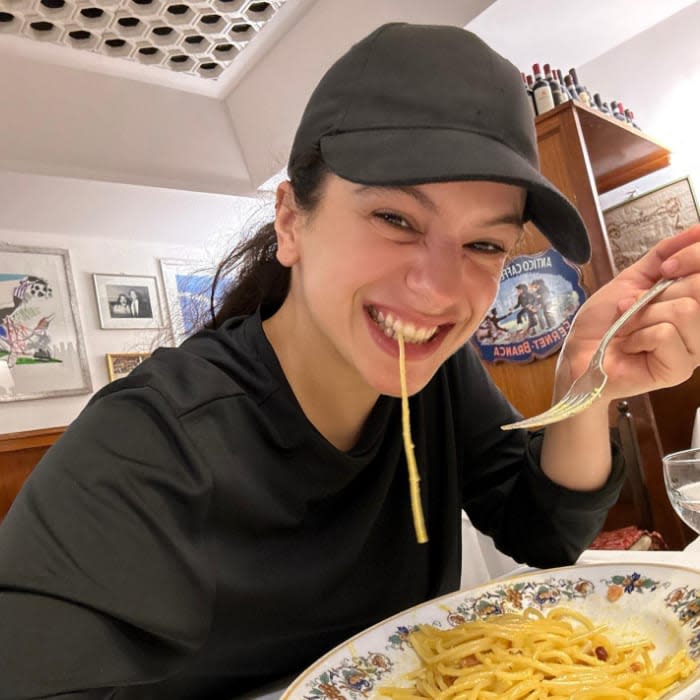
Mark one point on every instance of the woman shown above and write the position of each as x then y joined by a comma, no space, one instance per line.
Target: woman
121,306
237,506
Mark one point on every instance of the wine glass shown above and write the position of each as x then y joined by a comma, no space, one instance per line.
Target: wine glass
682,479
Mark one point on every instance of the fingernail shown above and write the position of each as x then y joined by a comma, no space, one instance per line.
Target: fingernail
670,267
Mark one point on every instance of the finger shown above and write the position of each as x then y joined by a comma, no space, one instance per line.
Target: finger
668,359
671,245
683,262
686,286
682,313
672,257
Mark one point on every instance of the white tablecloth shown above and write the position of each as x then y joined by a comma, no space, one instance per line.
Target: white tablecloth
482,562
689,557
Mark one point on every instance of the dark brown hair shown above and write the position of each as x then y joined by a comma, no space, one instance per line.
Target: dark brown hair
252,266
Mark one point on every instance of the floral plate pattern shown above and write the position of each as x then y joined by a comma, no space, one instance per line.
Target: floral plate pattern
657,601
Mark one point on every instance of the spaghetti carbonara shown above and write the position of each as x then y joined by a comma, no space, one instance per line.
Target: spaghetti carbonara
529,655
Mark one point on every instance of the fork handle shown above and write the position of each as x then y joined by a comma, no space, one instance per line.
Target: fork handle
659,287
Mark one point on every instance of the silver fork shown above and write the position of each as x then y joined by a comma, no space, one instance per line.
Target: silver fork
589,386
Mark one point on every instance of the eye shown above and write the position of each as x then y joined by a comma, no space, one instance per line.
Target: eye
393,219
487,247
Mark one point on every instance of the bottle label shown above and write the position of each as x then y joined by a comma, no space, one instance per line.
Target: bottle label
543,99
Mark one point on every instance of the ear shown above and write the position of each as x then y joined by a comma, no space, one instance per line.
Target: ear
288,219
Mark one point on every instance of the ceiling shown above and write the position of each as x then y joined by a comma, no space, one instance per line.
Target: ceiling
201,38
204,41
568,33
93,114
189,38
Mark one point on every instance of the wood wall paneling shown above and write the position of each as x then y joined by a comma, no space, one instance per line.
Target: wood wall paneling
19,454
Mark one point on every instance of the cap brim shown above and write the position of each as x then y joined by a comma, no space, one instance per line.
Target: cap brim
415,156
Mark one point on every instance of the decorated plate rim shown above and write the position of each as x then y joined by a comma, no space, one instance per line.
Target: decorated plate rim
469,592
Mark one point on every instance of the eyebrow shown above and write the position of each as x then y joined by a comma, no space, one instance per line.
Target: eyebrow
410,190
513,218
510,219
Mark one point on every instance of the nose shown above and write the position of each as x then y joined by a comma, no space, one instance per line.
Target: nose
438,276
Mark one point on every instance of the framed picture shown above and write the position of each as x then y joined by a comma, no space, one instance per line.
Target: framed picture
127,302
42,353
637,224
187,287
119,364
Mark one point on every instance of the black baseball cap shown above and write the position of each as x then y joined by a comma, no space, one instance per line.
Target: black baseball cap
412,104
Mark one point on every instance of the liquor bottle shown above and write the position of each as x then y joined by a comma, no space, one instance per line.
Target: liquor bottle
557,92
570,92
528,90
556,74
583,94
569,84
544,100
617,111
630,118
602,106
624,111
531,85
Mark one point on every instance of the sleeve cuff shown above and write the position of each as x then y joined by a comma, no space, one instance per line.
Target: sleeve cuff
551,496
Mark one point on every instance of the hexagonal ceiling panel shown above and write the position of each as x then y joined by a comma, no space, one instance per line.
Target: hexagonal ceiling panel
197,37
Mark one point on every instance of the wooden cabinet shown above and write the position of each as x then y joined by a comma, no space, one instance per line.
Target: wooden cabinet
585,154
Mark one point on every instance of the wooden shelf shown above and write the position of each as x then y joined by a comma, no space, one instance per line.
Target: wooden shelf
618,153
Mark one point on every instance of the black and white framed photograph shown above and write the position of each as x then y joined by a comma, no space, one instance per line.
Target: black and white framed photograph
42,352
127,302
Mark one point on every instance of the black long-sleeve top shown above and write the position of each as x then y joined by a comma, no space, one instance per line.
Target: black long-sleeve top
192,535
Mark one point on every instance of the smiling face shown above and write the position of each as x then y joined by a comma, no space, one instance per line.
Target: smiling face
369,262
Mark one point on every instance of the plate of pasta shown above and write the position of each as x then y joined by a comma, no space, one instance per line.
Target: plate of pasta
580,632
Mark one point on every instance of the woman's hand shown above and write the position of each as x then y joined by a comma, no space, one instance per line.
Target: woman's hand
660,345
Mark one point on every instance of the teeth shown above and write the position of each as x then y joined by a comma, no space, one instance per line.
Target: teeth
392,326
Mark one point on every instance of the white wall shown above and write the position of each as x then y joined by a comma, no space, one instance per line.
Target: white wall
112,228
657,75
112,210
89,255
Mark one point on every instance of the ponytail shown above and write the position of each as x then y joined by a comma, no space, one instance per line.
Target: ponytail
256,274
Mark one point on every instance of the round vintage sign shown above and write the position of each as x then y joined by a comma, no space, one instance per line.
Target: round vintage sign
537,300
